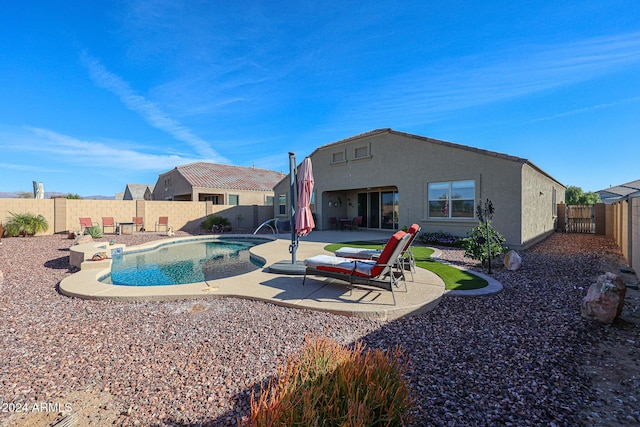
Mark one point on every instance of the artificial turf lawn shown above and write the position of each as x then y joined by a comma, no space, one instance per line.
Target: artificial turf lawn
454,278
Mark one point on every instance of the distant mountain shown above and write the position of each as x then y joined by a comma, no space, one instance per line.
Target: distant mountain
50,194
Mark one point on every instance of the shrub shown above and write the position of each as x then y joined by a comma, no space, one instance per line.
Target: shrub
93,231
218,221
475,245
441,238
330,384
25,224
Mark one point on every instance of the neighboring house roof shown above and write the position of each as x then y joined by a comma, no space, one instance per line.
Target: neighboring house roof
212,175
439,142
137,190
119,195
619,191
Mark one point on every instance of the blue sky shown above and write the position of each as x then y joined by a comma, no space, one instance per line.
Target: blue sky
95,95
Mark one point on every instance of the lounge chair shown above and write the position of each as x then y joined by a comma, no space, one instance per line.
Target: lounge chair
86,223
107,221
163,221
406,259
381,273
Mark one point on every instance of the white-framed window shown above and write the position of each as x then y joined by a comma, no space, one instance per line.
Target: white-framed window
451,199
268,200
282,204
234,199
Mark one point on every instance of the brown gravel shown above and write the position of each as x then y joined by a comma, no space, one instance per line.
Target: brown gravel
520,357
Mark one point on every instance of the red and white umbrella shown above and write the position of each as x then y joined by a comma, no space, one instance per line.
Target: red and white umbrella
304,219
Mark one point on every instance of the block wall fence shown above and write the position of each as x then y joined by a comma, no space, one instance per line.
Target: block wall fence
63,215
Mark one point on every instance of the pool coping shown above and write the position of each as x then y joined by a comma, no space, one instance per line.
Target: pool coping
328,295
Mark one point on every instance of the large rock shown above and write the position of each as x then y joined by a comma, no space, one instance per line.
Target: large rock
605,299
512,261
80,240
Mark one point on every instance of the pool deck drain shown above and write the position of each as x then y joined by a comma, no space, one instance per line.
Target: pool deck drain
322,294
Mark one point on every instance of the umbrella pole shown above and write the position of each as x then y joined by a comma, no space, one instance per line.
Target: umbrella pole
292,193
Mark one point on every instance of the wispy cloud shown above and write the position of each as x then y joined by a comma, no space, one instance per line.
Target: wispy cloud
147,109
587,109
429,94
86,153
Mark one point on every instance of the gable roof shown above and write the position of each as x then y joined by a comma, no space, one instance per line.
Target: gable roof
137,190
620,191
443,143
212,175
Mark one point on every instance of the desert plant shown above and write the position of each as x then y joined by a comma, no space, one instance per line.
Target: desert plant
25,224
484,242
94,232
73,196
218,221
338,385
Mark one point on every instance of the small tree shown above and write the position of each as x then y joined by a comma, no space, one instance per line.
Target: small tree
484,242
575,196
73,196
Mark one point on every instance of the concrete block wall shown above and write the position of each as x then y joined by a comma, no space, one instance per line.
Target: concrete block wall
120,210
44,207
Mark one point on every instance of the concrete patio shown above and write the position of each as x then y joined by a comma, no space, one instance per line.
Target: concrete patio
318,293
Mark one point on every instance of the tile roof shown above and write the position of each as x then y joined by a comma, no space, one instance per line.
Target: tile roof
137,190
212,175
621,190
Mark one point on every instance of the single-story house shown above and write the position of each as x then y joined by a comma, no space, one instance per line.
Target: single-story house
393,179
220,184
138,192
618,192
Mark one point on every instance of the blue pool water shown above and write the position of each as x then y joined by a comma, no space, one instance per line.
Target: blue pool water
183,262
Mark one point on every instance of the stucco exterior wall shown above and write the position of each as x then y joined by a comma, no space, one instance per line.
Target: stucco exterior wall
635,234
408,165
539,205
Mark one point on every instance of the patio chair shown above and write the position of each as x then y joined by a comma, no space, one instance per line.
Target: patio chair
138,223
333,223
107,221
381,273
406,259
163,221
355,224
86,223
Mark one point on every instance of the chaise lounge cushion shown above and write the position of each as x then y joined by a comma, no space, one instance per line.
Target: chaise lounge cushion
340,265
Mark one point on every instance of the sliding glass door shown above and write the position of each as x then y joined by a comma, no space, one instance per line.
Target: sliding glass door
379,209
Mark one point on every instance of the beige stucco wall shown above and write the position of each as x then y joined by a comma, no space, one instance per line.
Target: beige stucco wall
539,209
635,234
409,164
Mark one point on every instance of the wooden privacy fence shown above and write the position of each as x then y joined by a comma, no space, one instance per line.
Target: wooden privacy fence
581,219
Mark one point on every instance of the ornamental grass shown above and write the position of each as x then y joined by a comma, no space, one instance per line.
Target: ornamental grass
329,384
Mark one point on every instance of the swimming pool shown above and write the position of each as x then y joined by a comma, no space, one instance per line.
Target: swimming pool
184,262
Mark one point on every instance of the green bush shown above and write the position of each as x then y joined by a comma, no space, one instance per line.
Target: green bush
475,245
330,384
218,221
94,231
25,224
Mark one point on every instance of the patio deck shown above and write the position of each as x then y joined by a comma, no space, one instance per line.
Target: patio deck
329,295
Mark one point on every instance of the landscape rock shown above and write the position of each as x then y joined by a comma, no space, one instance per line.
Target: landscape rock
512,261
81,240
605,299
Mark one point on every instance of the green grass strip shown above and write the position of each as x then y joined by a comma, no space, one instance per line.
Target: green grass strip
454,278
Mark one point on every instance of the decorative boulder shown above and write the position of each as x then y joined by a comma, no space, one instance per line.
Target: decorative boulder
512,261
605,299
80,240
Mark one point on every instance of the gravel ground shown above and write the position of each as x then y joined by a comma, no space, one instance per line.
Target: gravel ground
520,357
